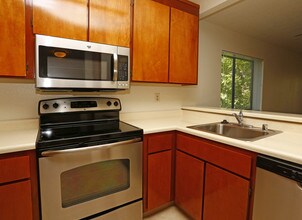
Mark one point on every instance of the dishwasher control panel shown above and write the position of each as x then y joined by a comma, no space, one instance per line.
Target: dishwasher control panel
284,168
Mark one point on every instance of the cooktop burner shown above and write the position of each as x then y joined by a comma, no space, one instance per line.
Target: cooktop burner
75,122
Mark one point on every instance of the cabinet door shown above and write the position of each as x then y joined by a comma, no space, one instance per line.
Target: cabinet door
159,179
150,41
61,18
183,47
12,43
189,180
109,22
15,201
226,195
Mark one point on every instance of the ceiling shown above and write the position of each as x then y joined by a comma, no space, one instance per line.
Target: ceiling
275,21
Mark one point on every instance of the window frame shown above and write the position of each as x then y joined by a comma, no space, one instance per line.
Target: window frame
235,57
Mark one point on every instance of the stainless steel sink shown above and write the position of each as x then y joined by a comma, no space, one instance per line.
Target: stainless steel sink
247,133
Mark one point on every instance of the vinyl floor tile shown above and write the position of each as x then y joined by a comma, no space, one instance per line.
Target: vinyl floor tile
170,213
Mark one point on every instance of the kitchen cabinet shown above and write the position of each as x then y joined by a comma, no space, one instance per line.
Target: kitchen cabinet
150,41
106,21
189,181
18,186
15,201
61,18
109,22
183,47
225,179
226,195
165,42
13,38
158,178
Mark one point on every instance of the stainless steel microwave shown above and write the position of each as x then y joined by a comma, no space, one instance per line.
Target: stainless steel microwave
66,64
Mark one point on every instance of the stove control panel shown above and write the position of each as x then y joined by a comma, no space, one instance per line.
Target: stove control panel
65,105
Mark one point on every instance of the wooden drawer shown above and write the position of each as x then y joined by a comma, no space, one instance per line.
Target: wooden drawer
14,168
230,158
160,141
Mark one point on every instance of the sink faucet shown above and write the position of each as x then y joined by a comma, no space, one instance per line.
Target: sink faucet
239,117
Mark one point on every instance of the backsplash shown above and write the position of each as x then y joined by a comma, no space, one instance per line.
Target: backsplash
20,100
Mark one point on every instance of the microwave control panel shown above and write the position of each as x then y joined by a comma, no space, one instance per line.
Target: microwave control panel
123,68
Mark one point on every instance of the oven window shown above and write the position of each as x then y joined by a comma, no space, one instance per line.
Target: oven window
60,63
93,181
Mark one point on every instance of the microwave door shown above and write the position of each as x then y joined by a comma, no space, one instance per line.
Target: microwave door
99,66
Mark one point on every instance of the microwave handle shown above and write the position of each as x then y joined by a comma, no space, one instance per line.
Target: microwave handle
51,153
115,66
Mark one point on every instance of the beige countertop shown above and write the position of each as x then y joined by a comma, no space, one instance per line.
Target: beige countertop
21,135
18,135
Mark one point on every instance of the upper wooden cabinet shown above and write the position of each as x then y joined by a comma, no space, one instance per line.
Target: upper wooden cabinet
150,42
106,21
61,18
165,42
183,47
109,22
13,37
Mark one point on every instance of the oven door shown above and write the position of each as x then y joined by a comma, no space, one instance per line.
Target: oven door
81,182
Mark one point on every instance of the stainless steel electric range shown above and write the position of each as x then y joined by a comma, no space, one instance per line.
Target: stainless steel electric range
90,162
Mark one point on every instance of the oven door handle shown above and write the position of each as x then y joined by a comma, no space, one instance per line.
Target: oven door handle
51,153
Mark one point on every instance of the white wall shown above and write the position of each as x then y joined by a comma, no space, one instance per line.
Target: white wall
19,98
209,7
282,90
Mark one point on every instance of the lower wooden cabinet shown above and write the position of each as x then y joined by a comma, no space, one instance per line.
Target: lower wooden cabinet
158,169
18,186
16,201
189,181
159,179
213,181
207,180
226,195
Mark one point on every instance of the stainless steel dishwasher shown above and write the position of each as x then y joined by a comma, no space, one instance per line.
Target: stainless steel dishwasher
278,190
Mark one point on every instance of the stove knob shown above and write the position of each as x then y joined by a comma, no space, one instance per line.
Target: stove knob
55,105
109,103
45,106
116,103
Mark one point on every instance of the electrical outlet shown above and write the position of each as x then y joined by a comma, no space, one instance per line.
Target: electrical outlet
157,97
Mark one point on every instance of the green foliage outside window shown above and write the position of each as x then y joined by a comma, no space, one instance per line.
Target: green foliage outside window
241,97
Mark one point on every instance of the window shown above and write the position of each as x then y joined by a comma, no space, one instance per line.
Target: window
241,82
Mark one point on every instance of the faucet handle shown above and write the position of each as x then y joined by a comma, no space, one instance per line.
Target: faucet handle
240,113
265,127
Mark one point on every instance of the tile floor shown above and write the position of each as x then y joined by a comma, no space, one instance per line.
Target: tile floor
170,213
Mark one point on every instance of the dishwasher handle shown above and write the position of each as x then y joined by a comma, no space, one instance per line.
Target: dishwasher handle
52,153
